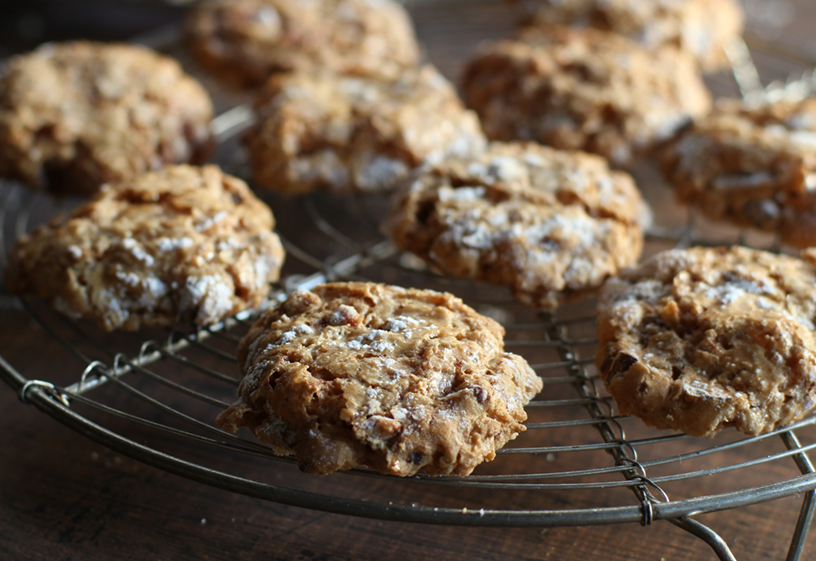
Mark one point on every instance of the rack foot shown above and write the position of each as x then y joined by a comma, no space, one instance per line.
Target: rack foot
706,534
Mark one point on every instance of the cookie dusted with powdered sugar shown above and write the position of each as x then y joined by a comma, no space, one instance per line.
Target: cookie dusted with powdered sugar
751,165
703,28
397,380
588,90
176,246
703,339
548,224
248,40
76,115
347,134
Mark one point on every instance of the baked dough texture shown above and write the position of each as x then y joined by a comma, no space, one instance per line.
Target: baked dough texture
548,224
703,339
248,40
583,89
177,246
751,165
76,115
703,28
352,134
397,380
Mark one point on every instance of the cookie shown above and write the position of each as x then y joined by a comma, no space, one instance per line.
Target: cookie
76,115
397,380
548,224
176,246
248,40
348,134
751,165
704,28
703,339
585,90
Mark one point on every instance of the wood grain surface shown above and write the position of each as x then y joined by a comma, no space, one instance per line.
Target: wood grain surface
64,497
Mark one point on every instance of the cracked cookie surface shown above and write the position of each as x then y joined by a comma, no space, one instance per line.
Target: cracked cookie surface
76,115
751,165
704,339
177,246
583,89
397,380
351,134
548,224
703,28
246,41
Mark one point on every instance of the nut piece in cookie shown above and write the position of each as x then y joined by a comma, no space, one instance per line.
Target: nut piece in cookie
180,245
582,89
397,380
344,134
548,224
248,40
703,339
751,165
76,115
703,28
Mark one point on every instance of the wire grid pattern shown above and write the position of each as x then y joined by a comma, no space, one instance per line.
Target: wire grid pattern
557,345
173,383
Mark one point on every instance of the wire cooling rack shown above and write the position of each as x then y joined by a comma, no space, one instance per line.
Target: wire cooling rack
154,395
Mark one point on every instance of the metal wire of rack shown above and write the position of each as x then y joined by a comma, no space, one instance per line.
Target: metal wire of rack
154,395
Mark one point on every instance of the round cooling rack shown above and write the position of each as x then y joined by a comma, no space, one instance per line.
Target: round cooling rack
154,395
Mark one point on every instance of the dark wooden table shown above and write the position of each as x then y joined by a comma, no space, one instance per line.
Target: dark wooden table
64,497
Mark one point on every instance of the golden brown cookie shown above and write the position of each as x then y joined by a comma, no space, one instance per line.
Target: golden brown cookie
589,90
751,165
344,134
248,40
180,245
703,339
703,28
76,115
364,374
548,224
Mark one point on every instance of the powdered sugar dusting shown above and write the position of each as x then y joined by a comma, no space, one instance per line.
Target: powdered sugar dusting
210,294
169,244
499,168
732,290
343,315
292,334
136,249
208,222
375,341
504,168
401,323
380,173
583,229
398,384
115,312
447,193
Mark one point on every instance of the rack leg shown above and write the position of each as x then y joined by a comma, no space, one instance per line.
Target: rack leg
802,526
706,534
808,505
